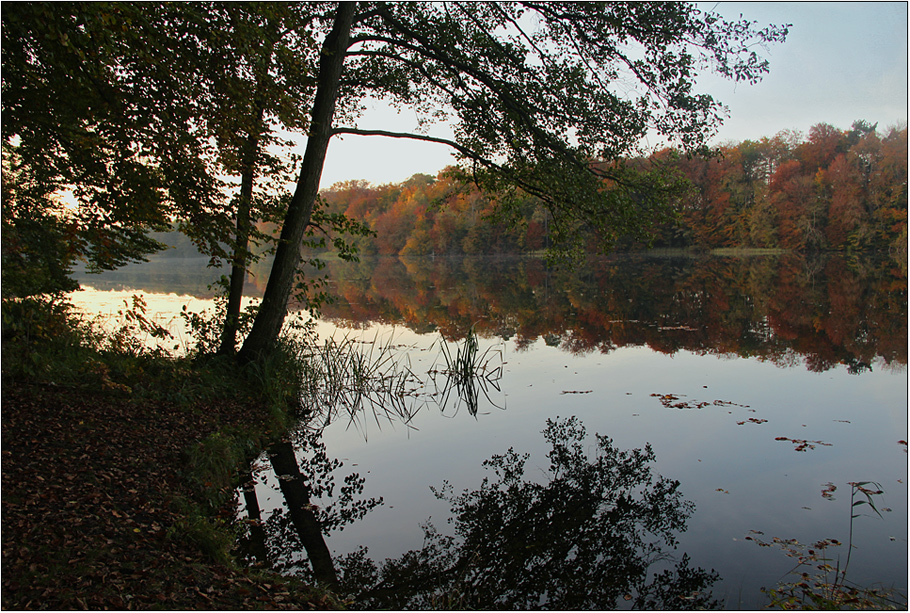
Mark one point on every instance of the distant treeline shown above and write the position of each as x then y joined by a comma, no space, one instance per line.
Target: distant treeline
832,190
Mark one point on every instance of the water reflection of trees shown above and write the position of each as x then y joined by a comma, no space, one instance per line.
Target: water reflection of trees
291,539
597,533
819,311
182,276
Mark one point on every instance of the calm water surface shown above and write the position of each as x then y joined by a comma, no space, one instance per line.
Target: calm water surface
758,382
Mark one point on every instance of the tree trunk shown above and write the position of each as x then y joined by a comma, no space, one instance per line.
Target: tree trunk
242,238
273,309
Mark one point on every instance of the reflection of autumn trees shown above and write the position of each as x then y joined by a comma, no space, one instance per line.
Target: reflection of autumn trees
823,311
180,275
834,313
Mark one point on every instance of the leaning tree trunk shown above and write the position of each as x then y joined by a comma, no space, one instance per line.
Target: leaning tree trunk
273,309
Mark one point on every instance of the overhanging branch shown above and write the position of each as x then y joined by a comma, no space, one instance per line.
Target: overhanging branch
529,187
469,153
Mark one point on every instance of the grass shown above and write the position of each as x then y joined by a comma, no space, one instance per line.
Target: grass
469,373
355,379
350,379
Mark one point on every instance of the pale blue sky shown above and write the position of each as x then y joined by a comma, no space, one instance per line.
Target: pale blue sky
842,61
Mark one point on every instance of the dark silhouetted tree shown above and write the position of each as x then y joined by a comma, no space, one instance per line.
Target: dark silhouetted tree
530,90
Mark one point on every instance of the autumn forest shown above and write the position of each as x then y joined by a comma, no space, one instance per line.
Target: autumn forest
840,190
592,253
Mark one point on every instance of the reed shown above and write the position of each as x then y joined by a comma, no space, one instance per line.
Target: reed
469,373
360,380
350,379
818,582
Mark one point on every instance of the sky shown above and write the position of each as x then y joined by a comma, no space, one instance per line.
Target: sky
842,61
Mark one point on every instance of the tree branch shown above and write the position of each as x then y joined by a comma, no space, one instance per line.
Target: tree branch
416,66
422,137
528,187
446,58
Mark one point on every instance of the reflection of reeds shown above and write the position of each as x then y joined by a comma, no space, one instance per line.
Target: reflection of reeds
341,378
469,372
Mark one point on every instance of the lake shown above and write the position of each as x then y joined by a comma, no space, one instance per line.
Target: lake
764,386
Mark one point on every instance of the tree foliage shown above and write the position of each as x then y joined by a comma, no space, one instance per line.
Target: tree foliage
84,117
539,92
124,119
142,111
544,99
833,190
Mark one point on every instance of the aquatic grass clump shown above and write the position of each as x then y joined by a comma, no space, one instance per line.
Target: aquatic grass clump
356,378
469,373
340,378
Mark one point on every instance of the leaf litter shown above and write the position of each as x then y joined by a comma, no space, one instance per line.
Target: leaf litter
91,485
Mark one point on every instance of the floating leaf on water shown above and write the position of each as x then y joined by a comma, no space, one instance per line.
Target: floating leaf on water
802,444
752,420
668,400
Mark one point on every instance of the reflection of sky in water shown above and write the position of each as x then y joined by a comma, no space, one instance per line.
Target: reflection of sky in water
765,484
163,309
739,476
